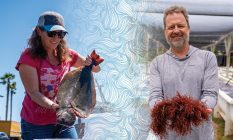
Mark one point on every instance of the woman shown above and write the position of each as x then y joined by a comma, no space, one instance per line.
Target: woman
42,67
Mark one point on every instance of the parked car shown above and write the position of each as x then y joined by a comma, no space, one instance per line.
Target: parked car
3,136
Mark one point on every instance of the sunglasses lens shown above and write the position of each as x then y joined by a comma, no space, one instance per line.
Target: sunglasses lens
60,34
51,34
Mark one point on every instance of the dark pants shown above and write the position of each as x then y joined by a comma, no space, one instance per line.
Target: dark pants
30,131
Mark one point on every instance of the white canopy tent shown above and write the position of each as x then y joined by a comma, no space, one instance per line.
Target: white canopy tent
209,19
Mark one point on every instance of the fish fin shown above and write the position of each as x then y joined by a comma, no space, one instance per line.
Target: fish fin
96,58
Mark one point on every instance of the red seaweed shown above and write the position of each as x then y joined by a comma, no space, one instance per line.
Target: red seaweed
177,114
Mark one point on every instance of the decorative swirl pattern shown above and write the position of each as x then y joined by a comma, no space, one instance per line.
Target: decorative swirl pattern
110,27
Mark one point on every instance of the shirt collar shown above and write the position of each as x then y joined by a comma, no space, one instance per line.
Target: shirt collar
190,51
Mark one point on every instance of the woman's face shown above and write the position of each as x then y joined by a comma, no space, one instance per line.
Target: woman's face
50,40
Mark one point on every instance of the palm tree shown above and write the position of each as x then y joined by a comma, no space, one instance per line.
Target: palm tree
6,79
12,91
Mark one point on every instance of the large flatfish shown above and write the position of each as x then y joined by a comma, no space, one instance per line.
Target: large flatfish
77,91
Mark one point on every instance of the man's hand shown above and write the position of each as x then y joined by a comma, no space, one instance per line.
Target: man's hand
210,110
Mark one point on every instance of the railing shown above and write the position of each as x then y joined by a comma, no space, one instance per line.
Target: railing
224,109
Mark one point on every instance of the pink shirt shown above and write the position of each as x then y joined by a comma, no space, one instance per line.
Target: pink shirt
49,77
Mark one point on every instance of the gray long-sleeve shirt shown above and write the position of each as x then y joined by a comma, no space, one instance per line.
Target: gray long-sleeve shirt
196,76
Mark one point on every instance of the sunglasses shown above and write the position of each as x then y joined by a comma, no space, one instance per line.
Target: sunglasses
60,34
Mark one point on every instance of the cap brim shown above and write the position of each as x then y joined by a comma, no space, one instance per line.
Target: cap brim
54,28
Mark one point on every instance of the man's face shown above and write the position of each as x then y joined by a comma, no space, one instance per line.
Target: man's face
176,30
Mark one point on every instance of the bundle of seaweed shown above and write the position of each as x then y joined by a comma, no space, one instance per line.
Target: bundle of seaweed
177,114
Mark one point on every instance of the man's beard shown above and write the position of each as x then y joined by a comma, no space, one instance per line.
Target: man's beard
178,44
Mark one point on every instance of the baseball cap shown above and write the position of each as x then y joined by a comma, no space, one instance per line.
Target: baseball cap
51,21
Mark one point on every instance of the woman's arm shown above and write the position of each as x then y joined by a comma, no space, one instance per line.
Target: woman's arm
81,61
30,81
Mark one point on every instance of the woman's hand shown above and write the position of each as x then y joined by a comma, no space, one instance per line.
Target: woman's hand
78,114
54,106
75,111
87,61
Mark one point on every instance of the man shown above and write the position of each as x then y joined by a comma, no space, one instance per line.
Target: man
184,69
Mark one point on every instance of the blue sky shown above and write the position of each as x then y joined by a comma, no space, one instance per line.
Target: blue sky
17,19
